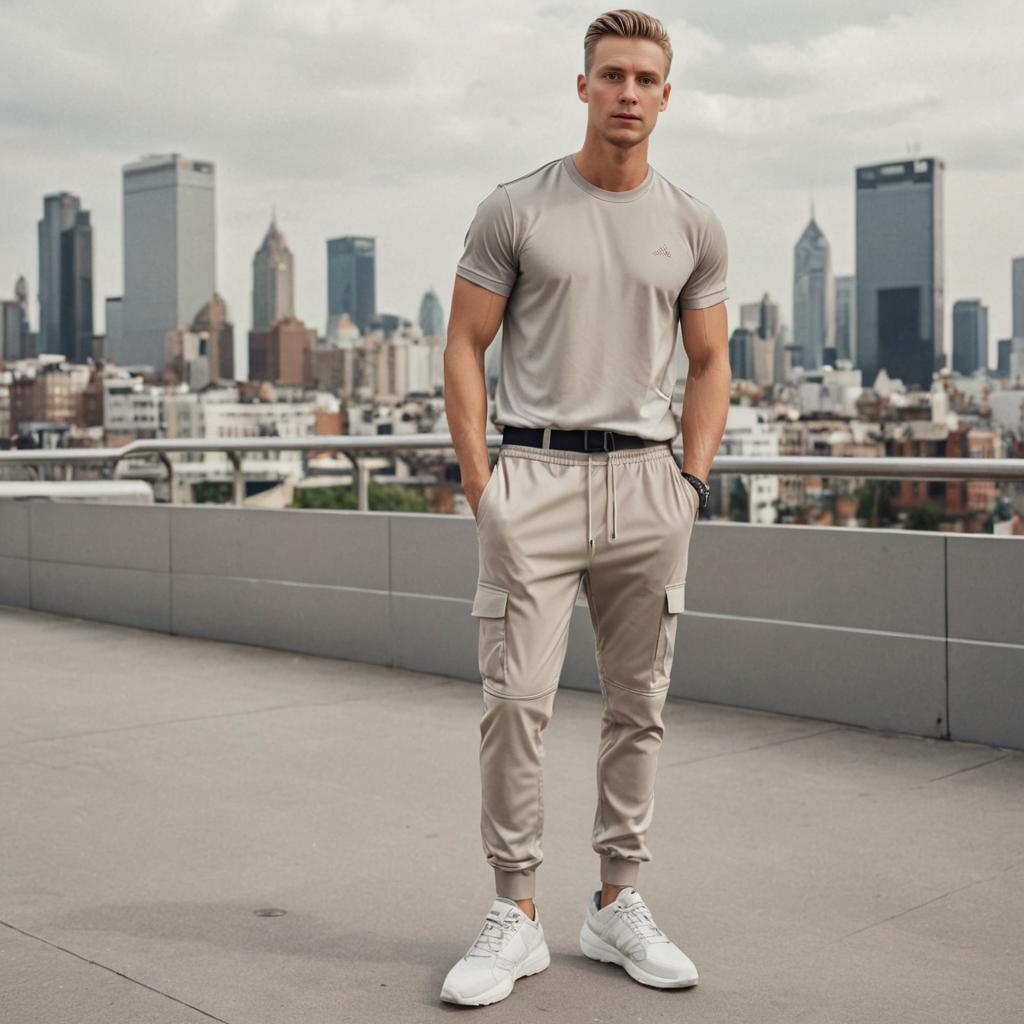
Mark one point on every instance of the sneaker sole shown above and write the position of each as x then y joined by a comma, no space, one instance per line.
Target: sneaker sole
597,949
537,961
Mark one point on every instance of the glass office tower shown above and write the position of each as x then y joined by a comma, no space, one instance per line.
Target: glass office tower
846,315
352,279
970,336
76,300
60,214
900,270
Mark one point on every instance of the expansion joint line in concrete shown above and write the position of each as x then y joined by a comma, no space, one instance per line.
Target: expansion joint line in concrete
96,963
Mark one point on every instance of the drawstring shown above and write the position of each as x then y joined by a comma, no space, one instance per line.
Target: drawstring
615,508
615,517
590,529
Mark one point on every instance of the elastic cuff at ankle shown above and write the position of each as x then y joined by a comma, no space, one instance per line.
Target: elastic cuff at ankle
619,871
516,885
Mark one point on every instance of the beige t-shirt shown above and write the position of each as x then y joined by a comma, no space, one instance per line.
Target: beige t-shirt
595,282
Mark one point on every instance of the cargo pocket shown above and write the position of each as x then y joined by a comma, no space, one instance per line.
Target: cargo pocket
490,604
674,602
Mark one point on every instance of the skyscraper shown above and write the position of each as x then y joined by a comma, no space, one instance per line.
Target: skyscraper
113,340
1017,358
76,289
814,318
170,267
21,297
771,321
741,353
352,279
431,315
1004,346
761,317
1017,289
846,315
970,336
273,280
10,330
900,276
762,320
750,315
65,283
25,344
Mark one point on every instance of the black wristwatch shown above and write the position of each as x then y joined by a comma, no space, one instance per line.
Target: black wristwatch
702,489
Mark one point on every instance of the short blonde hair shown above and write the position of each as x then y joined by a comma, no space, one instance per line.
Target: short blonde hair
628,25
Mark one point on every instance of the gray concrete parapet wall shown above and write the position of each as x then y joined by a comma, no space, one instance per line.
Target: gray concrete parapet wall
894,630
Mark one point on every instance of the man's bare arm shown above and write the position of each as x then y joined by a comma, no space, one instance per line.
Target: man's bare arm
475,318
706,401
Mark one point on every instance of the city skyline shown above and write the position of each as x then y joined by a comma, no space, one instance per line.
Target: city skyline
779,121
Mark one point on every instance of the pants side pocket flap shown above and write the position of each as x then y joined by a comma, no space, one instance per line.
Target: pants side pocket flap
675,593
489,601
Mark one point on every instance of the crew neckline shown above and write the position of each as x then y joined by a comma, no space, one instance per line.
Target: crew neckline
602,193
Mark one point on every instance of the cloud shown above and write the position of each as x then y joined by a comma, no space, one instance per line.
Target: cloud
396,118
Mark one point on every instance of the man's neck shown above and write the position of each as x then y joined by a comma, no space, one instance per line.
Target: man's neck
612,168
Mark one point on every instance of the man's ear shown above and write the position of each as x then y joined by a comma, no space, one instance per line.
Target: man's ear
664,95
581,87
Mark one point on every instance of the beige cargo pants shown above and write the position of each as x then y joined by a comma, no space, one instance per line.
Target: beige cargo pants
621,521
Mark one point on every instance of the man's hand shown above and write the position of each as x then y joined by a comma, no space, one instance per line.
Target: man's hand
473,489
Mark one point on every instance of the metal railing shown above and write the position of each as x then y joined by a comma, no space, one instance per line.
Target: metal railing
900,467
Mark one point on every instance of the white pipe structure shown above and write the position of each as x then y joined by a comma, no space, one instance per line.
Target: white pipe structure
900,467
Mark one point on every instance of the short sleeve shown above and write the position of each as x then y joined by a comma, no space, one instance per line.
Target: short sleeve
706,285
489,257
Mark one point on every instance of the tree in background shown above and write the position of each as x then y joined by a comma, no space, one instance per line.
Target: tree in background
213,492
739,502
925,516
874,502
382,498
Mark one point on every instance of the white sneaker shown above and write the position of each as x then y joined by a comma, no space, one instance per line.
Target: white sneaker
624,933
508,947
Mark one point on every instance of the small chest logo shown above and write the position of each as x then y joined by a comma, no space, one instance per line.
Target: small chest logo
662,251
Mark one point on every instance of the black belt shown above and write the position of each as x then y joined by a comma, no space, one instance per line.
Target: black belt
576,440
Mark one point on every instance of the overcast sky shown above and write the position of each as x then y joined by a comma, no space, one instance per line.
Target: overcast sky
396,119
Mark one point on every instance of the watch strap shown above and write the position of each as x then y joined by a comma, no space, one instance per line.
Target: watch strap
703,490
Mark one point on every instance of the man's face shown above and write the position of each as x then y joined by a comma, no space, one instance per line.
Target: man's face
626,89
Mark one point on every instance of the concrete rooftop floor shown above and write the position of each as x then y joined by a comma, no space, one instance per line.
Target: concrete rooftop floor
157,792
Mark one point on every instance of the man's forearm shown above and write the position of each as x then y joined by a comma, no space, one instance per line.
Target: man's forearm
465,390
705,410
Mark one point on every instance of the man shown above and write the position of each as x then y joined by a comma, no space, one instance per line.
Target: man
590,263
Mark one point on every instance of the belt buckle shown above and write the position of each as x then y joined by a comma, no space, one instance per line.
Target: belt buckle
605,435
